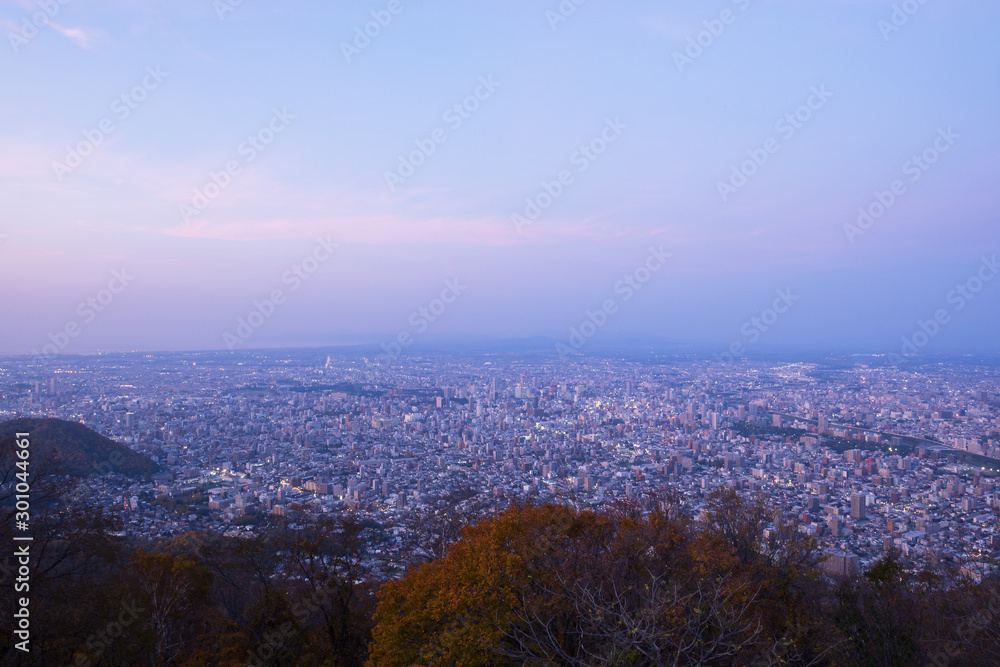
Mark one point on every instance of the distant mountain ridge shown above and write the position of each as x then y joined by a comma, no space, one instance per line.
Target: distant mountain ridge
76,449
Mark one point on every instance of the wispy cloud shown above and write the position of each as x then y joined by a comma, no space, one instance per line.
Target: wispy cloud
78,36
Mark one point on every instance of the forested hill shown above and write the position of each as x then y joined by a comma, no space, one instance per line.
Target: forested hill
77,450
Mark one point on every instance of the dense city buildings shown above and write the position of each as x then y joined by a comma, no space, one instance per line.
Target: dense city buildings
864,457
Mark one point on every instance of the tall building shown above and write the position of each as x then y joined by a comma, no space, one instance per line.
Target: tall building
823,426
858,512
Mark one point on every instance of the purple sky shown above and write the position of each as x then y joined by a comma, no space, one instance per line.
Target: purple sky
203,156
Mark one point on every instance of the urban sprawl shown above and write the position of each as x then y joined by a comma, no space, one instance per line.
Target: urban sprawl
865,456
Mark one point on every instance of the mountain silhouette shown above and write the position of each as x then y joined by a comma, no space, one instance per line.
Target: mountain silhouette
74,449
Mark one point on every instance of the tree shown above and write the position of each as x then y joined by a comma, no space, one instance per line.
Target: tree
553,585
740,521
882,616
175,592
70,553
322,566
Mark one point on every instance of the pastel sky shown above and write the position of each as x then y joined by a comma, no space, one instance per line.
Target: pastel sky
116,116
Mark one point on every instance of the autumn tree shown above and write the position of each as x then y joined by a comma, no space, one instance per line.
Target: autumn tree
553,585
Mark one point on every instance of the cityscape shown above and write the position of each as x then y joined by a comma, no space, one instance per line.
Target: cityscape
548,333
866,457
